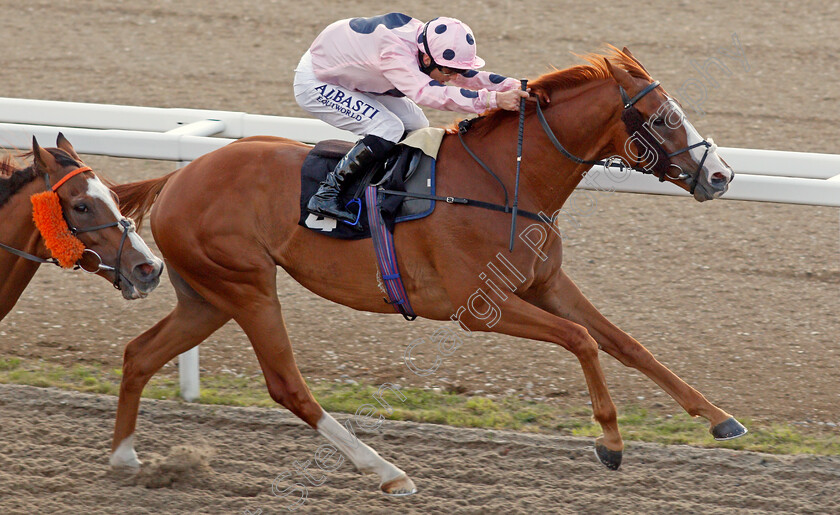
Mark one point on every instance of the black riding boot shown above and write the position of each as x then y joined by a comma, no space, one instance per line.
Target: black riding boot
358,161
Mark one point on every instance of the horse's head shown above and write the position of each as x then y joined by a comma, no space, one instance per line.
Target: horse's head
660,139
112,247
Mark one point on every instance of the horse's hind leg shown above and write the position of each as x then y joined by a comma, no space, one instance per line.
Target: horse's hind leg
566,300
186,326
251,297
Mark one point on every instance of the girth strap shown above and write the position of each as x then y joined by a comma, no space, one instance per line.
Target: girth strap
386,257
466,202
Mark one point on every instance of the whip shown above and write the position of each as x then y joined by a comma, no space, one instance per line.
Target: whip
518,161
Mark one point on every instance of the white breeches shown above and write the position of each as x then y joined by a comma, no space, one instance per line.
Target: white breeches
360,113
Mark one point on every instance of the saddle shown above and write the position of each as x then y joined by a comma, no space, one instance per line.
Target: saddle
409,168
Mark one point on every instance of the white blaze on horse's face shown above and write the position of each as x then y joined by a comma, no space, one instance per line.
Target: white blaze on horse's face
96,189
139,271
713,179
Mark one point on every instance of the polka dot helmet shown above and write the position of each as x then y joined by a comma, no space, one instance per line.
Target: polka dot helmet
449,42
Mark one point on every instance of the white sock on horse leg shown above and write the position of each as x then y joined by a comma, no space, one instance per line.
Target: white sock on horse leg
363,457
125,456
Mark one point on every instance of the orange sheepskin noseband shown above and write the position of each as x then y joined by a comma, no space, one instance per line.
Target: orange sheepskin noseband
49,219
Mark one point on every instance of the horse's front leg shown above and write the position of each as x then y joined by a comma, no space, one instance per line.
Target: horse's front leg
516,317
565,299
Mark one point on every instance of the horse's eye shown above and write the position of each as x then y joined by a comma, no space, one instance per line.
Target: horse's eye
81,208
658,122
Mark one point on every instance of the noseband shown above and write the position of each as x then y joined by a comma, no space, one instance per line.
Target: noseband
634,124
126,224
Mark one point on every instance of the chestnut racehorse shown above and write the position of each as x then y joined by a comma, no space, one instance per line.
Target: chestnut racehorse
225,221
112,248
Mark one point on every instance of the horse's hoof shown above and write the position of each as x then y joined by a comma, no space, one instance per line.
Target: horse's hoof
611,459
728,429
125,470
399,487
125,462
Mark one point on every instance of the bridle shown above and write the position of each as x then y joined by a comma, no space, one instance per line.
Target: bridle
634,123
126,224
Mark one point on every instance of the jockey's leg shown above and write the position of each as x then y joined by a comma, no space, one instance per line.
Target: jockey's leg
363,114
409,113
359,160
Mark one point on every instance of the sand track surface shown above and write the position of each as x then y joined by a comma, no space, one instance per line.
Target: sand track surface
207,459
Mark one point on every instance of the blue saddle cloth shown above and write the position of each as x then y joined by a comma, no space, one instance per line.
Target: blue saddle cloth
407,169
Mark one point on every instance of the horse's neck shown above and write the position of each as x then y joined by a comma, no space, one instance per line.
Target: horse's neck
18,231
592,112
583,120
17,228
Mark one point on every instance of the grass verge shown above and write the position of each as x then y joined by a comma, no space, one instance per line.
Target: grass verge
438,407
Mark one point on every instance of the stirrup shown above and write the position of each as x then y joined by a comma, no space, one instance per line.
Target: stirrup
355,224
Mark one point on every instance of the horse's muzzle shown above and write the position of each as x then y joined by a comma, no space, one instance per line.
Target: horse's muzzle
713,188
144,278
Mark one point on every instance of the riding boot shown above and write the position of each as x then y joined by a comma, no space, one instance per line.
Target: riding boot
358,161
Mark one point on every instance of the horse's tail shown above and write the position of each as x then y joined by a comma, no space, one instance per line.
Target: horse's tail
136,198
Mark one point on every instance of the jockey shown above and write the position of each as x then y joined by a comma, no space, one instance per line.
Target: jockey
367,75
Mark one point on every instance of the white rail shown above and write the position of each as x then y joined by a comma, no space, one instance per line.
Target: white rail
185,134
159,119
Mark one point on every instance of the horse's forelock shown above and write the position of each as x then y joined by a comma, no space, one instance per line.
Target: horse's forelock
62,157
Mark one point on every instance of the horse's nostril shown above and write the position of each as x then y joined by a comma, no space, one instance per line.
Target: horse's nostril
718,177
146,271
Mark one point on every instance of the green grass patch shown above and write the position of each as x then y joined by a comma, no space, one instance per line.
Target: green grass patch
7,364
438,407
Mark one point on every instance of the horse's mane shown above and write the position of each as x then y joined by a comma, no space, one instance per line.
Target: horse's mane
570,78
13,176
8,165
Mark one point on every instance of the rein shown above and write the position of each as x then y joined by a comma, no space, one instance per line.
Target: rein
633,122
464,126
628,104
126,224
27,255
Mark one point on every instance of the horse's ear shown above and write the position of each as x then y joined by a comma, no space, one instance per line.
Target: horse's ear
627,52
43,159
620,75
62,143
